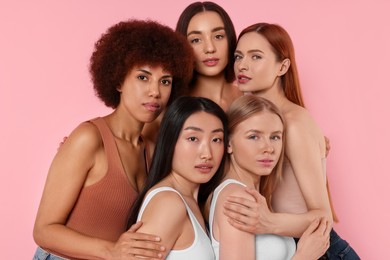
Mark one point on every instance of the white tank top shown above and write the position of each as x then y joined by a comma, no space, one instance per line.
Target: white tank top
268,246
201,247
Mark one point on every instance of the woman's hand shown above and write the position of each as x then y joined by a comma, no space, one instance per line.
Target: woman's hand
314,241
249,216
132,245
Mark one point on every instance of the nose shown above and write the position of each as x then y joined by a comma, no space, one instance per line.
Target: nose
205,153
154,89
242,65
268,147
209,46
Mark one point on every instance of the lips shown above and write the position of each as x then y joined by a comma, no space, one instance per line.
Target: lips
204,167
266,162
242,79
211,62
152,106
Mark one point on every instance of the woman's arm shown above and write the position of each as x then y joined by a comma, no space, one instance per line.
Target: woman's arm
305,154
166,216
71,169
234,243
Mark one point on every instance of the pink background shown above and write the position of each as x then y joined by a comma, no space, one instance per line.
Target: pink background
343,51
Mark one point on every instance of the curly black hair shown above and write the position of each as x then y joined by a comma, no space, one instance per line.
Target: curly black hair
136,43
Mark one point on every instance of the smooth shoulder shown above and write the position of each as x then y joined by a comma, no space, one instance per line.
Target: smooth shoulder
299,119
164,203
85,136
236,190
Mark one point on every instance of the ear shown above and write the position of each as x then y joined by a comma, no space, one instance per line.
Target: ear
285,65
119,88
229,148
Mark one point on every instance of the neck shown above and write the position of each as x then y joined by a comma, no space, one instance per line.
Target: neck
125,127
186,188
251,180
276,95
209,87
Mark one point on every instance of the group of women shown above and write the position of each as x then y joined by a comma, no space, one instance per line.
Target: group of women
237,169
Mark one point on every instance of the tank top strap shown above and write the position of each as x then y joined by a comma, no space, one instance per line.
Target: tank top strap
214,201
152,193
110,147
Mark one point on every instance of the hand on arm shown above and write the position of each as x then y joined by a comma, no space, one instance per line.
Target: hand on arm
234,243
314,241
132,245
250,215
166,216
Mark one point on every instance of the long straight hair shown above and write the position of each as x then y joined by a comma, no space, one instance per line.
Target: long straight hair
199,7
283,48
171,125
244,108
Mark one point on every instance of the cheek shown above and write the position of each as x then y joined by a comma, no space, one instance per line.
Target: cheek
165,93
198,53
218,152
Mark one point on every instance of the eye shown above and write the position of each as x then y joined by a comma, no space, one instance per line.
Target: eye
142,77
166,82
276,137
220,36
194,40
192,139
256,57
253,137
217,140
237,57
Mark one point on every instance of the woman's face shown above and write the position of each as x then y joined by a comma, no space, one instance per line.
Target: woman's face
256,144
145,92
199,149
255,66
207,36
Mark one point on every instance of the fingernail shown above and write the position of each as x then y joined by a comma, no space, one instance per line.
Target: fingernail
158,239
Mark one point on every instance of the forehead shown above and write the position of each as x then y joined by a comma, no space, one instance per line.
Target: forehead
263,121
204,121
205,21
253,41
153,69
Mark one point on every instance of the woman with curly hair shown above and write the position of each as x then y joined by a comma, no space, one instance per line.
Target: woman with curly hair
137,67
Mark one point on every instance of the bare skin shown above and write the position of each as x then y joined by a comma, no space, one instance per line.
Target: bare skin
69,174
259,72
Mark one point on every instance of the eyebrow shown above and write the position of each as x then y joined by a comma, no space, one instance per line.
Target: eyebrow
260,132
250,51
216,29
197,129
149,73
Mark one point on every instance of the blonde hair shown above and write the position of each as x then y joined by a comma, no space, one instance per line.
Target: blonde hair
240,110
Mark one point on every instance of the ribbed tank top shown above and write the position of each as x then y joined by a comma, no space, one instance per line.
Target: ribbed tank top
102,209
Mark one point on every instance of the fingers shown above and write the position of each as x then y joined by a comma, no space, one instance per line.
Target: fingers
311,228
256,195
140,236
139,244
241,226
233,209
146,249
135,226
